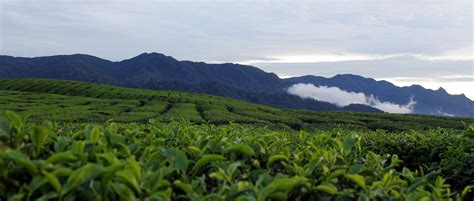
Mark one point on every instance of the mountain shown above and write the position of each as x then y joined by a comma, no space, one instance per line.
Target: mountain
67,67
150,68
158,71
435,102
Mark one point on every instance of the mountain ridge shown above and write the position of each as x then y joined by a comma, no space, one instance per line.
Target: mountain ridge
156,70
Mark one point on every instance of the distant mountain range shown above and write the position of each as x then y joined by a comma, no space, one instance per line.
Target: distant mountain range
158,71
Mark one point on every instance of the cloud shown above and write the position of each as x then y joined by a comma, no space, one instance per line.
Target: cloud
234,31
343,98
453,84
391,107
456,76
440,112
329,94
407,66
285,37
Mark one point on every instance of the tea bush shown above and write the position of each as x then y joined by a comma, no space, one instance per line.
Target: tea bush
184,161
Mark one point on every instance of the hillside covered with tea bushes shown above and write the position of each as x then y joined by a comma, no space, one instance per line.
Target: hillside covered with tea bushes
71,101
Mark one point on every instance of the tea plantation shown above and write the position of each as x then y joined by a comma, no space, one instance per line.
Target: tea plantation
70,101
65,140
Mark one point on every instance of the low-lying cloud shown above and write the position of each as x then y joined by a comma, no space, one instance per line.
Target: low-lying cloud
343,98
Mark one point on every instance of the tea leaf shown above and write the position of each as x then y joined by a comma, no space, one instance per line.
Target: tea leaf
53,180
19,159
82,175
283,186
241,148
206,159
61,157
327,188
358,179
349,143
276,157
39,136
14,119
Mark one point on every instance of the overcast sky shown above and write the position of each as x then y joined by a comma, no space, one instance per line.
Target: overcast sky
406,42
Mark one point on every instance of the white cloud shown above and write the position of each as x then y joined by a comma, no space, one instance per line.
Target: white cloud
391,107
329,94
440,112
343,98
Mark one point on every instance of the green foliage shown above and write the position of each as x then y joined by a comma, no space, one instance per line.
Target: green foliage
241,148
71,101
180,154
185,161
181,111
458,159
279,188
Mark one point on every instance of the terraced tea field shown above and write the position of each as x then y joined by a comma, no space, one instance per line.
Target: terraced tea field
72,101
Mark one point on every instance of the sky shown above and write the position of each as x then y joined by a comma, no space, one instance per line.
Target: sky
406,42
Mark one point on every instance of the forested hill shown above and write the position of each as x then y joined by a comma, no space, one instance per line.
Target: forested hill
158,71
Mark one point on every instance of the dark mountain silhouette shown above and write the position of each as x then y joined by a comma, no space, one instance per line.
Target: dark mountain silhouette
158,71
68,67
149,68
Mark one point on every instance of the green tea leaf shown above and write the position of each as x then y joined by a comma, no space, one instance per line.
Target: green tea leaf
128,177
327,188
94,135
137,172
284,186
177,158
53,180
349,143
355,169
181,161
5,126
47,196
84,174
276,157
14,119
110,171
39,136
123,191
206,159
188,189
36,183
184,186
241,148
19,159
61,157
358,179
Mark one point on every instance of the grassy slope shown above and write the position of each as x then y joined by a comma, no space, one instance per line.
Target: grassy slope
80,101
